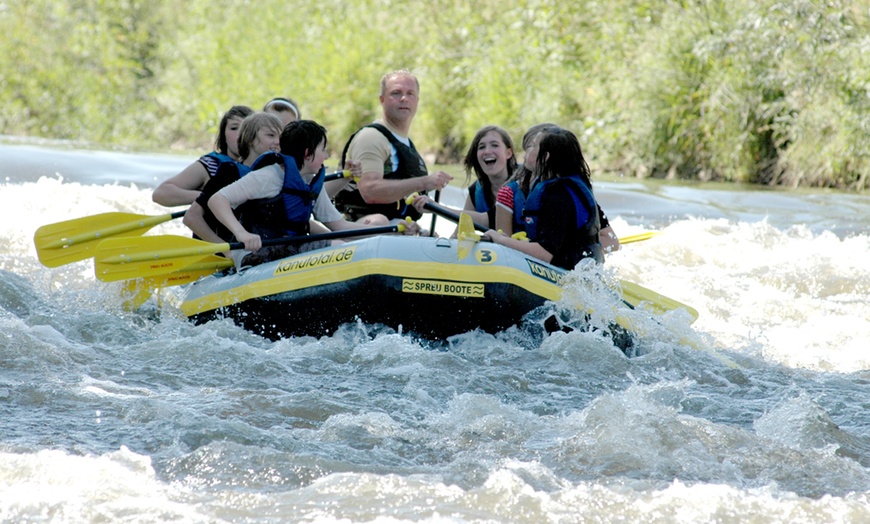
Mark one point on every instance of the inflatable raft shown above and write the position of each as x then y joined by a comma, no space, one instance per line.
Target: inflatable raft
421,285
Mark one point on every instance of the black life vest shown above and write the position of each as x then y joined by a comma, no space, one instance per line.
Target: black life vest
213,161
411,165
227,173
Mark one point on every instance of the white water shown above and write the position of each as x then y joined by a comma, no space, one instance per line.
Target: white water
757,411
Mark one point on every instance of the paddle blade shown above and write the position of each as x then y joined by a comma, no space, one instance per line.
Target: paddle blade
639,296
640,237
466,235
74,240
136,292
143,257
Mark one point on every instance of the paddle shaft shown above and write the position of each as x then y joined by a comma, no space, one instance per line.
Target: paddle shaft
110,230
434,216
301,239
632,294
446,213
194,247
100,232
338,175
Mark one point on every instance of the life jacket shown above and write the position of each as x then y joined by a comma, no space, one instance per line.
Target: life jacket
585,224
213,161
475,191
288,212
478,198
227,173
519,204
411,165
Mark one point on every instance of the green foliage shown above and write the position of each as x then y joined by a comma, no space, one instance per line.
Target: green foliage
763,91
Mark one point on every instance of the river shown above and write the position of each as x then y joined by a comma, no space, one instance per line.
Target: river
754,412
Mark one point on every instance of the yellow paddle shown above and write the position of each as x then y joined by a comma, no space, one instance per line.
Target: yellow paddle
634,295
143,257
646,235
137,291
521,235
466,235
74,240
447,213
639,237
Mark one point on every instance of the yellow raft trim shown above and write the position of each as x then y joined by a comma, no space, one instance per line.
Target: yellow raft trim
331,274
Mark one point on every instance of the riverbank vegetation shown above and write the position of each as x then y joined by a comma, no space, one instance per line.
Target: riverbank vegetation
759,91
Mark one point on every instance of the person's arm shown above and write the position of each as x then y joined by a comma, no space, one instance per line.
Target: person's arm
343,225
182,188
375,189
606,235
223,211
262,183
530,248
334,186
504,210
411,228
476,216
609,240
325,212
194,219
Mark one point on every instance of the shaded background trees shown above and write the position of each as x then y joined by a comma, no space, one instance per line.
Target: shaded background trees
752,91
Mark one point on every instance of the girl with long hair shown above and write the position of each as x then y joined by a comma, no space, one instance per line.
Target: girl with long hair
560,213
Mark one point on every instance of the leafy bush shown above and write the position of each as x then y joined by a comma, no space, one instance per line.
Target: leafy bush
761,91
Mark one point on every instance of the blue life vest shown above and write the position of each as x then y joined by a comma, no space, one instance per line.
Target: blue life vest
586,210
478,198
288,212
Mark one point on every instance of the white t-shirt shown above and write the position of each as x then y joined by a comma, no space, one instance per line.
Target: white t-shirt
370,147
267,182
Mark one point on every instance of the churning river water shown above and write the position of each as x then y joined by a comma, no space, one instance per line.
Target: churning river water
758,411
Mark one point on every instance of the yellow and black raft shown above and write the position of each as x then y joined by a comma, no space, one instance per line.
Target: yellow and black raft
435,287
422,285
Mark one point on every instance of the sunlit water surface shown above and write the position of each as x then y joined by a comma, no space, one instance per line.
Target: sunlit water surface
756,411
